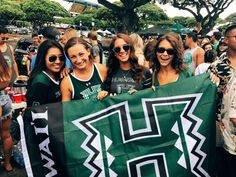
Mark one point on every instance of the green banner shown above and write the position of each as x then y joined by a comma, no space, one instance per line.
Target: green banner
166,133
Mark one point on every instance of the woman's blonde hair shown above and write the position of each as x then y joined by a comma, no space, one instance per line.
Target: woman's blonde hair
68,34
137,41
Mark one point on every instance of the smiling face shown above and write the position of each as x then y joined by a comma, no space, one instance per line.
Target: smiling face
123,53
164,58
54,61
79,56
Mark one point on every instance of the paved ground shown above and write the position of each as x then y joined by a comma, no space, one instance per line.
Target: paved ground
16,172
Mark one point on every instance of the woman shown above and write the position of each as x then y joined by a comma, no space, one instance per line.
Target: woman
168,61
43,84
139,49
124,73
5,113
222,48
86,79
207,46
203,41
69,33
209,57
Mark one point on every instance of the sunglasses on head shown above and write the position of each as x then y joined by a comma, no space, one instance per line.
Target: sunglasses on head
54,58
162,50
118,49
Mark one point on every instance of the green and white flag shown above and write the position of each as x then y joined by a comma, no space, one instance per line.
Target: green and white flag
166,133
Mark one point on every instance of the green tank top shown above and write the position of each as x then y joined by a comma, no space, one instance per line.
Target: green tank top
85,89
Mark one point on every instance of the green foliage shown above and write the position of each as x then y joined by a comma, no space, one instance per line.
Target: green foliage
108,18
188,22
65,20
231,18
43,11
150,14
10,10
205,21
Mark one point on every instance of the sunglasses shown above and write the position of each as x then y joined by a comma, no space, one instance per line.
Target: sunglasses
118,49
162,50
40,36
53,58
4,38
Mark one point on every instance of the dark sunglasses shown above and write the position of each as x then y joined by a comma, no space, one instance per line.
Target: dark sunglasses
162,50
40,36
118,49
54,58
4,38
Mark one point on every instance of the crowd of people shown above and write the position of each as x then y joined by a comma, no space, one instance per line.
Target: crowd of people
68,67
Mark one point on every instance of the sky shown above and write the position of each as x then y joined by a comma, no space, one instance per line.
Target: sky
170,11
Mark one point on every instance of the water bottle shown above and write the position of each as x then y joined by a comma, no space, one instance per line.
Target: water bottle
24,60
17,155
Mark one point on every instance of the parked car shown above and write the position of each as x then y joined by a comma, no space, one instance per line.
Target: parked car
12,29
23,31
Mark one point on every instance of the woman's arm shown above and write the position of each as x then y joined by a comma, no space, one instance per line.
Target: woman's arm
66,90
102,70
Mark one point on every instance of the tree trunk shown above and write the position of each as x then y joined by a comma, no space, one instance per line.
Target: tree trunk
129,19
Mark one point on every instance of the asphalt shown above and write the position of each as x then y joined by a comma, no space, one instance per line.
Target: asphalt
17,171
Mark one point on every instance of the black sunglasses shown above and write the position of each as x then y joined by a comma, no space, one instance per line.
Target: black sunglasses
4,38
162,50
54,58
125,47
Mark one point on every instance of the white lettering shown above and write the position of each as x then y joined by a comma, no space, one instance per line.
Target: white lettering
43,146
36,116
49,165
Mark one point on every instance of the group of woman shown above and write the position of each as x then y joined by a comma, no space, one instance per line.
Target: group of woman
92,80
87,79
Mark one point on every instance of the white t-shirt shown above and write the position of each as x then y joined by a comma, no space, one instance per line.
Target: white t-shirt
228,111
201,68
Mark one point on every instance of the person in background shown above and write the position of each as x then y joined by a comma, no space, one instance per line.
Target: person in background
5,113
138,48
32,50
203,41
168,61
68,34
92,35
194,55
124,73
87,76
209,57
224,69
8,54
44,80
215,39
222,47
207,46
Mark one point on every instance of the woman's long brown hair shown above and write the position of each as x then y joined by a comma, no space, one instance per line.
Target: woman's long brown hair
5,70
114,65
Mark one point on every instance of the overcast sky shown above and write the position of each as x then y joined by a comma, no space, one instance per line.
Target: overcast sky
170,11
